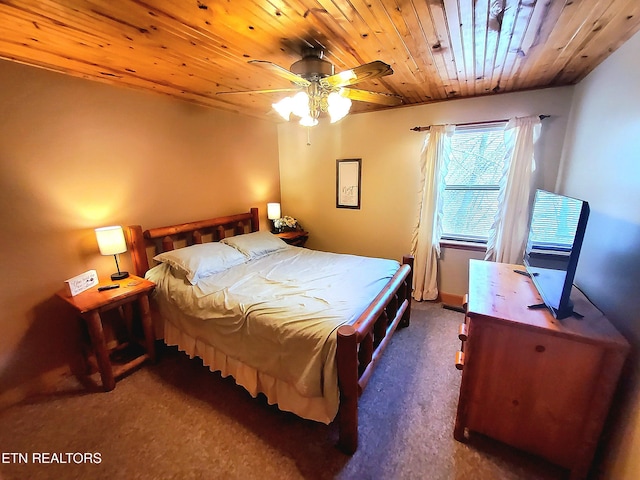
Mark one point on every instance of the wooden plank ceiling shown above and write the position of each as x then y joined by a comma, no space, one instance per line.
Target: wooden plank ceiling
438,49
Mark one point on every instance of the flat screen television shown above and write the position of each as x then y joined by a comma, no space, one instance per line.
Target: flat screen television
556,232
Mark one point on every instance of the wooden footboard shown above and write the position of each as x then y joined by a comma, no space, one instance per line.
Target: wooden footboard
361,344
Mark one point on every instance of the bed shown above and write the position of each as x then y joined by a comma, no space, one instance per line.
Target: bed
304,328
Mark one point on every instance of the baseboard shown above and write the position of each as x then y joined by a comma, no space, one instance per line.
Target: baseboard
45,383
452,300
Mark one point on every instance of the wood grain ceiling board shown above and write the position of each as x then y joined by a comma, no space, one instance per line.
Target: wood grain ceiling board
438,49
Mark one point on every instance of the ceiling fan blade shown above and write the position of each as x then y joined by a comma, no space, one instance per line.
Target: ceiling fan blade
283,72
268,90
367,71
371,97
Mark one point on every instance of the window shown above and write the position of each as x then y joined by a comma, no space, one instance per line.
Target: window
470,199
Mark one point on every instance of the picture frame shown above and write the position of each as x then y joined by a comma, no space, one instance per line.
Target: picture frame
348,181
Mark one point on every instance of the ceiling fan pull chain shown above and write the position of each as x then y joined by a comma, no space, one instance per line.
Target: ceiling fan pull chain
308,136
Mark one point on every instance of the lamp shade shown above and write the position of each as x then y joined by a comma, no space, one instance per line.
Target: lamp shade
273,211
111,240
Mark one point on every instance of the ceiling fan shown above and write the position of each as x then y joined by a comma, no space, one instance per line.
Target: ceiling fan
322,90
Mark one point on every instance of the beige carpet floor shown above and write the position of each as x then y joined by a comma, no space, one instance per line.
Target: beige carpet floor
177,420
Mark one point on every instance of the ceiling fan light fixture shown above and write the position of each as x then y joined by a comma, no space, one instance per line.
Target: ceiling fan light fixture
284,107
338,106
308,121
300,105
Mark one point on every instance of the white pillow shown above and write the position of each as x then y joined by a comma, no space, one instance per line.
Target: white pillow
201,260
256,244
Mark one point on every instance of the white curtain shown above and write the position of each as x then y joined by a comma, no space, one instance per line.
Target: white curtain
434,160
507,237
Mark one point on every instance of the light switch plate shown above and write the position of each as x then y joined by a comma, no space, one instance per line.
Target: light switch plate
82,282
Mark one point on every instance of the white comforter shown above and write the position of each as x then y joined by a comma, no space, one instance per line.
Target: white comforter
276,315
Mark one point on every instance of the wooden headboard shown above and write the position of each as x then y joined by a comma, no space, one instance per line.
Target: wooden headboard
144,245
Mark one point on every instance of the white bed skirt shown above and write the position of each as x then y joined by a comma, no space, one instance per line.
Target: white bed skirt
277,392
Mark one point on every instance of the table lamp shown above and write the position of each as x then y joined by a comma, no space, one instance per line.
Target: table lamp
111,242
273,213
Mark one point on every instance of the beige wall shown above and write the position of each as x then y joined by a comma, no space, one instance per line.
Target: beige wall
601,164
75,155
390,172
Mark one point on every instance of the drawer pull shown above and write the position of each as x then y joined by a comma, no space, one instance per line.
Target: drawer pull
462,332
459,360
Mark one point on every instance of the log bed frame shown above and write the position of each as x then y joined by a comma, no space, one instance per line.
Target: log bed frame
359,344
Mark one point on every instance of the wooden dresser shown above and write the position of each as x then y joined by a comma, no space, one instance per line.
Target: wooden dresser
531,381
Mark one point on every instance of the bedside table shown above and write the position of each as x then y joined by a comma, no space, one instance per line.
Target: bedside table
297,238
91,303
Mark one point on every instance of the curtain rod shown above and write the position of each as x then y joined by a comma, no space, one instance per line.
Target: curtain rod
424,129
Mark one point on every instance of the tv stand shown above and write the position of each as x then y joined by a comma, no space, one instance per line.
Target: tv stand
530,380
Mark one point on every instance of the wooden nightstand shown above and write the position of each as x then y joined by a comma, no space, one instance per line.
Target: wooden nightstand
91,303
297,238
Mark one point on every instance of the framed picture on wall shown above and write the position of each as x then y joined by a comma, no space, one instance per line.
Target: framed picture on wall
348,175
